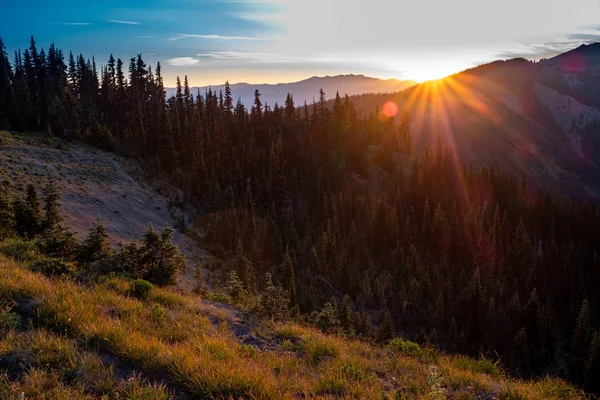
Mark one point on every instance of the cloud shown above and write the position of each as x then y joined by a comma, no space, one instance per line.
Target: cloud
183,61
586,37
551,46
118,21
243,56
269,58
214,37
77,23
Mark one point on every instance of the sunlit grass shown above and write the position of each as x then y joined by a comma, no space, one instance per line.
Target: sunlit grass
187,345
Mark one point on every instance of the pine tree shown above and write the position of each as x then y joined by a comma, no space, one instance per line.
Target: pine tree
52,215
580,343
157,260
385,330
520,352
7,221
290,277
235,288
274,301
33,216
96,247
6,89
327,319
345,313
244,268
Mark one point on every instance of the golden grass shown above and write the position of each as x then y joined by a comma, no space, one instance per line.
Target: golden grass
190,346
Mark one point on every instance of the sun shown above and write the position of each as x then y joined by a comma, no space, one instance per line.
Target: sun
432,73
432,68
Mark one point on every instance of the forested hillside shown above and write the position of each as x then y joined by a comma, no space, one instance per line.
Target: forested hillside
540,119
343,214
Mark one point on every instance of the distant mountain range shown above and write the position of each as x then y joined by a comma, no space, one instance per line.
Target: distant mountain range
308,89
541,119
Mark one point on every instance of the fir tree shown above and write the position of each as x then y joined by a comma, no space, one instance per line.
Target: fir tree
52,215
96,246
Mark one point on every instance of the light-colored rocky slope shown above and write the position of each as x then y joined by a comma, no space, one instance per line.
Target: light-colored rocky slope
95,186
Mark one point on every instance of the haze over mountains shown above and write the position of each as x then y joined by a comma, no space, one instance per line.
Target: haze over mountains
539,118
308,89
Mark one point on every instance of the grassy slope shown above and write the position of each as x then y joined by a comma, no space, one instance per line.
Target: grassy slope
84,341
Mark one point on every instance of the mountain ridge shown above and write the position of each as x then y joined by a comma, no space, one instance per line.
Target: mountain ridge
540,118
306,89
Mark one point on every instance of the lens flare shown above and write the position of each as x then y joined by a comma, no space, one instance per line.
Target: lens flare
389,110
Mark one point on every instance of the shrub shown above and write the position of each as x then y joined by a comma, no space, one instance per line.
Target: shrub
327,318
481,365
20,249
96,247
122,262
436,383
141,289
59,243
158,313
274,301
160,258
352,371
8,318
234,288
53,267
157,260
99,136
405,346
248,351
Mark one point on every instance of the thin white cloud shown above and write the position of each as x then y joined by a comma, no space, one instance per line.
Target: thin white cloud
119,21
551,46
183,61
77,23
214,37
257,57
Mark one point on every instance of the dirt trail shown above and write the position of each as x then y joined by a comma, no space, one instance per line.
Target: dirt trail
95,185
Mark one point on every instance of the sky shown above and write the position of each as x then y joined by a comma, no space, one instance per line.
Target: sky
272,41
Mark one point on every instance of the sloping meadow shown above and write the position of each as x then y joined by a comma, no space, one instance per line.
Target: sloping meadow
62,339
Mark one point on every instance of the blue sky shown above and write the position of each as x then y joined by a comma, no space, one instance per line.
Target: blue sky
286,40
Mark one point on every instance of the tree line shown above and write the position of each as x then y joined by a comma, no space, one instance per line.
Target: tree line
356,229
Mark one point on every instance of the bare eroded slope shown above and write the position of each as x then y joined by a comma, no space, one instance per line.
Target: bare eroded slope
95,185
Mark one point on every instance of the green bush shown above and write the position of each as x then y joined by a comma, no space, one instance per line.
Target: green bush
20,249
141,289
53,267
352,371
156,259
59,243
405,346
8,318
274,300
96,247
158,313
481,365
